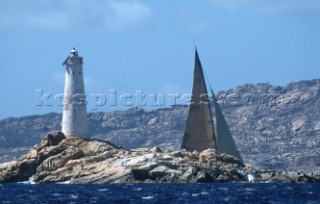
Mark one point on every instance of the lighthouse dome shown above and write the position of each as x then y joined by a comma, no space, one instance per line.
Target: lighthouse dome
74,52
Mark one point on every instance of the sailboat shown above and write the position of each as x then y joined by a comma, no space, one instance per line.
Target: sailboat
199,131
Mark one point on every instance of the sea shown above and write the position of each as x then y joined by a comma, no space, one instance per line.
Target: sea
161,193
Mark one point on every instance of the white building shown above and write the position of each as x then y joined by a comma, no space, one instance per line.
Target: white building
74,117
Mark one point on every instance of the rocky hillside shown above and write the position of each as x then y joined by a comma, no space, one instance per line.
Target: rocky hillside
274,127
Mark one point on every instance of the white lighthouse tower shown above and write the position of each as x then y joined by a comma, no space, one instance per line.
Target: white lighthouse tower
74,117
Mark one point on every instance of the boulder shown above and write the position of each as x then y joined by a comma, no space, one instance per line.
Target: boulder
158,172
54,138
18,171
203,176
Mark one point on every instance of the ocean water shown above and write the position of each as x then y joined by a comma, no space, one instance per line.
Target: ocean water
161,193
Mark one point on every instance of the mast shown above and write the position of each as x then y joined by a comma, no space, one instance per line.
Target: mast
199,130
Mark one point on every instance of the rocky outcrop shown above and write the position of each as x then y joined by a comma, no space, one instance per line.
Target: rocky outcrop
275,127
77,160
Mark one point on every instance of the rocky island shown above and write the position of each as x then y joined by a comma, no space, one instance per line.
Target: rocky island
73,159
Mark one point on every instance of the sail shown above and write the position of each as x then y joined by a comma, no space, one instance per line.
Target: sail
225,141
199,131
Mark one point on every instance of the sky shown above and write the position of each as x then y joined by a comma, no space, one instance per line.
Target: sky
146,48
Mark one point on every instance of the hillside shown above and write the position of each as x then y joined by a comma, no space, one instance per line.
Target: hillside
274,127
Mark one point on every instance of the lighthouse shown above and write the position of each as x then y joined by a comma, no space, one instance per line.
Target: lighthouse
74,116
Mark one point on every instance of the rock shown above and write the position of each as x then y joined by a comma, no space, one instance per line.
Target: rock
203,176
18,171
236,175
55,138
279,178
152,121
57,161
264,176
175,172
158,172
140,174
177,154
27,168
223,178
48,152
155,149
189,174
79,160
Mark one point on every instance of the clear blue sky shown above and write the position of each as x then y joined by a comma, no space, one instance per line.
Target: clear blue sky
148,46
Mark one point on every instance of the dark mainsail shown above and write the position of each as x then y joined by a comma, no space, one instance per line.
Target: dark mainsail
225,141
199,131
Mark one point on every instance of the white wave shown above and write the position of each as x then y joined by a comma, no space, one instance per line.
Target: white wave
30,181
103,189
251,177
64,182
147,198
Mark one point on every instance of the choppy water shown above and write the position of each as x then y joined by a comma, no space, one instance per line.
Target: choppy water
161,193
